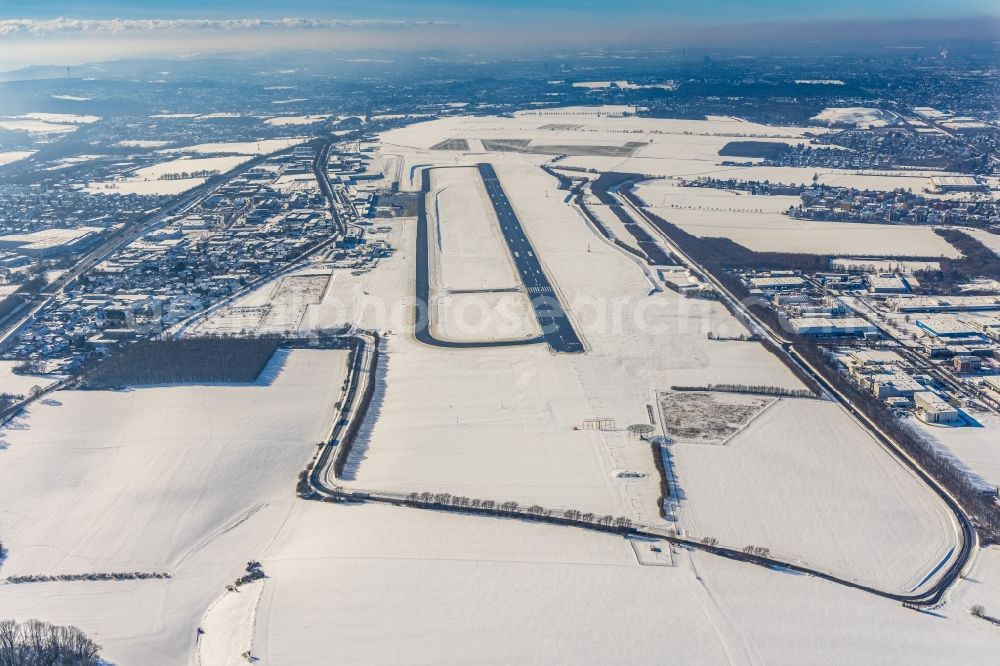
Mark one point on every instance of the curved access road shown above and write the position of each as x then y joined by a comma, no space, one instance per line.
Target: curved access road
966,531
321,482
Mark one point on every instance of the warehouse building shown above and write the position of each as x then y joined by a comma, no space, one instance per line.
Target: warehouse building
931,408
823,326
886,283
51,242
956,184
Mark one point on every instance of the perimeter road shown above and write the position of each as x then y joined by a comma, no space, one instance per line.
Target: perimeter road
320,482
966,532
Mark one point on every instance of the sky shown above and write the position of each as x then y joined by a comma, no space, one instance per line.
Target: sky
65,32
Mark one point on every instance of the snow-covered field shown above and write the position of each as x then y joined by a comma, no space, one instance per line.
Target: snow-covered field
157,187
807,482
197,480
976,447
35,126
162,178
14,155
70,118
282,121
262,147
18,384
228,625
192,480
775,232
857,116
166,177
455,589
885,265
669,193
46,123
142,143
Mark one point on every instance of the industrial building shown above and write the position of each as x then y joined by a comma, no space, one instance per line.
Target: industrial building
895,384
51,242
965,364
932,408
945,303
777,283
992,383
824,326
886,283
956,184
947,327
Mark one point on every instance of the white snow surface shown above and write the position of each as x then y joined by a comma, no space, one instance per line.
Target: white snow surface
186,479
197,480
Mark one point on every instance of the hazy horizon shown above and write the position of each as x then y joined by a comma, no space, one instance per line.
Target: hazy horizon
59,33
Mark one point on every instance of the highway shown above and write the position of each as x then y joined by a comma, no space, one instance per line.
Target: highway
319,169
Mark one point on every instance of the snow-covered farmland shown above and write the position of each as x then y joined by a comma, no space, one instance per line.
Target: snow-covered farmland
142,143
190,165
781,233
262,147
282,121
228,627
35,126
11,156
670,194
192,480
46,123
446,587
856,116
807,482
168,177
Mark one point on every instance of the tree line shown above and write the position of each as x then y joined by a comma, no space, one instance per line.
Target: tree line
36,643
755,389
23,293
977,260
180,361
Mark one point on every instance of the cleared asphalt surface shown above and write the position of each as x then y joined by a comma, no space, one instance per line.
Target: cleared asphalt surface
556,327
557,330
